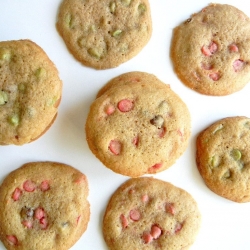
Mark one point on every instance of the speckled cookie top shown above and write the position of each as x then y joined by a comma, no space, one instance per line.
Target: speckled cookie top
211,50
147,213
223,158
30,92
139,126
43,206
104,34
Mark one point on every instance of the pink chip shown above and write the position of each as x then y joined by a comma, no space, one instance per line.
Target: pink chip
147,237
43,223
233,47
78,219
205,51
209,50
170,208
115,147
39,213
29,186
45,185
110,109
155,232
214,76
206,66
162,132
157,166
12,239
213,47
134,215
178,227
16,194
145,198
238,65
124,221
136,141
125,105
27,223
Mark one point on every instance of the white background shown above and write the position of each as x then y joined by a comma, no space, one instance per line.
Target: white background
225,224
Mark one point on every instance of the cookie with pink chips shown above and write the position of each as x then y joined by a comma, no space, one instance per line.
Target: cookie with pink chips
137,125
211,50
147,213
43,206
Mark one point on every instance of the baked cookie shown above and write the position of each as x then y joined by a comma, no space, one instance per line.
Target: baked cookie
43,206
147,213
211,50
137,125
223,158
30,92
104,34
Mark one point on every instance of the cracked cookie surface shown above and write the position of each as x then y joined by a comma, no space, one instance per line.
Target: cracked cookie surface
211,50
104,34
43,206
147,213
223,157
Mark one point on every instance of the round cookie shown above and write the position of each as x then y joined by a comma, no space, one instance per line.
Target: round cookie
210,51
43,206
30,92
104,34
223,158
138,126
147,213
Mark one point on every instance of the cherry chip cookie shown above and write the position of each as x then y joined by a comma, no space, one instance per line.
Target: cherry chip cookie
43,206
211,50
223,157
147,213
30,92
137,125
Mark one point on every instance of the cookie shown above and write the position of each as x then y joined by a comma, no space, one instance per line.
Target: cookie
30,92
147,213
210,51
43,206
223,158
104,34
137,125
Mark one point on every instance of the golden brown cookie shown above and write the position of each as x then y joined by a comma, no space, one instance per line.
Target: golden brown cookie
137,125
223,158
211,50
30,92
43,206
104,34
146,213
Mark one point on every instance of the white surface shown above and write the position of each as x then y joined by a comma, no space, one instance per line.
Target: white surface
225,224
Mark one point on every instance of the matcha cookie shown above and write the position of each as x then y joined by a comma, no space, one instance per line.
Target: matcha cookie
223,158
104,34
30,92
